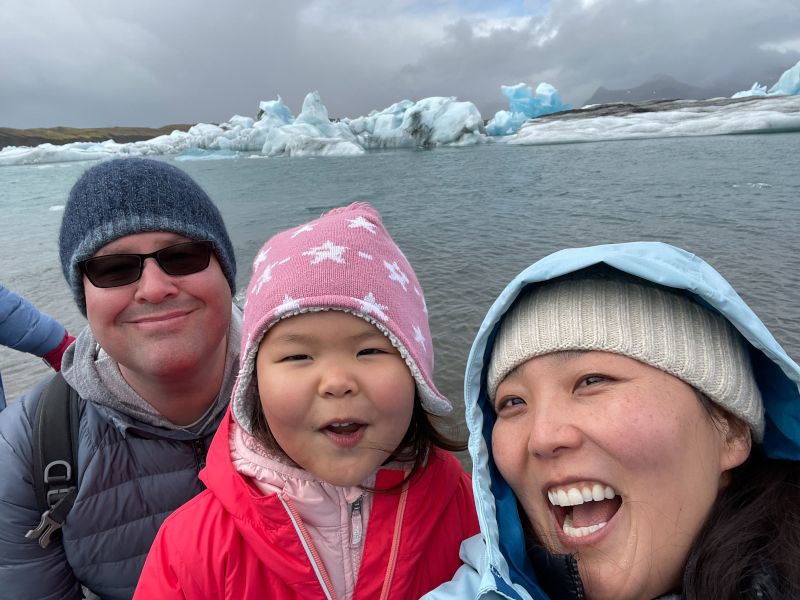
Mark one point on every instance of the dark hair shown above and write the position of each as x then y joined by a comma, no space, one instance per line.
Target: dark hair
749,547
414,448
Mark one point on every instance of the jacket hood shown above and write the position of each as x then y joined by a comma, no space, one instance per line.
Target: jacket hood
777,377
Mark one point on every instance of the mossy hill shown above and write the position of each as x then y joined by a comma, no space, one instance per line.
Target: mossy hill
66,135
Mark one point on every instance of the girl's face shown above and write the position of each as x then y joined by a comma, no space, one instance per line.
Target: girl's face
613,461
337,396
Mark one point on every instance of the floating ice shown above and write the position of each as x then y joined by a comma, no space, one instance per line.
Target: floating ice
440,121
524,105
311,134
787,85
430,122
276,132
674,118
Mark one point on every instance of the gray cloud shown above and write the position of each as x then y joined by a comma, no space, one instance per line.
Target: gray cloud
99,63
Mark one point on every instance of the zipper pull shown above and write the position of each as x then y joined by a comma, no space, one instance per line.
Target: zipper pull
199,449
356,524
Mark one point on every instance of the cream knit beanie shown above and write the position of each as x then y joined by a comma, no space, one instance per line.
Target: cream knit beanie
651,324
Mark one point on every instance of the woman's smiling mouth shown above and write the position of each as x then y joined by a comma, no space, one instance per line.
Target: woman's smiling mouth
581,510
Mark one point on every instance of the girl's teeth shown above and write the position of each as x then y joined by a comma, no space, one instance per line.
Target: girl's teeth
574,496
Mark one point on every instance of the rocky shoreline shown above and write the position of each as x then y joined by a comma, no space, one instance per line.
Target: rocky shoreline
66,135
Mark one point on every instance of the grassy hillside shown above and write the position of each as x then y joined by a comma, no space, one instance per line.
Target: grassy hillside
65,135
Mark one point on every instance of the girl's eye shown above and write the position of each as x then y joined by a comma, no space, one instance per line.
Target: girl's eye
370,351
295,357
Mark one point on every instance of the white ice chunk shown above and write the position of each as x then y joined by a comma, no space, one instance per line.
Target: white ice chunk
687,118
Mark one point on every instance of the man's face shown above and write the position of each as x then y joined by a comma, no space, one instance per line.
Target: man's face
161,326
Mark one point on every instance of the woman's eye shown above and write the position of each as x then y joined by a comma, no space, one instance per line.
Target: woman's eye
592,380
509,402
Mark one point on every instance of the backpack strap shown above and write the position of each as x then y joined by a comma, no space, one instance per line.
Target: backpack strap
55,457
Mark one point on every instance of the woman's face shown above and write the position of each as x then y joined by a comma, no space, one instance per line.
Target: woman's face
613,461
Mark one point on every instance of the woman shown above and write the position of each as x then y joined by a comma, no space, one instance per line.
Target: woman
635,432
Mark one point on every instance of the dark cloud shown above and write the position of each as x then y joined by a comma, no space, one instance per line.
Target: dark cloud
96,63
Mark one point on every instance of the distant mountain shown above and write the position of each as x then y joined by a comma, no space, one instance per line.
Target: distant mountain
660,87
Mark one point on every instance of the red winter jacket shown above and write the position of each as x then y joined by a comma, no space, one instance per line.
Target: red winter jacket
232,542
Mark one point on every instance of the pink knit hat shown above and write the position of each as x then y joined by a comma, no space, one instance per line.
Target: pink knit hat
345,260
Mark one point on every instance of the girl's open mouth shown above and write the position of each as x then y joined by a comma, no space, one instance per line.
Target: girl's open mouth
581,510
345,434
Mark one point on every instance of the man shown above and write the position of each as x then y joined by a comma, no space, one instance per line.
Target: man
151,265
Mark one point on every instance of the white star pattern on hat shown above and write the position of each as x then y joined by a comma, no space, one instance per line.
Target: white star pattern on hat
418,337
371,307
364,255
361,222
395,274
289,304
262,256
267,274
327,251
303,229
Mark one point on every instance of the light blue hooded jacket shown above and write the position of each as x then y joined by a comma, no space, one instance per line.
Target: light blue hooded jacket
496,564
24,327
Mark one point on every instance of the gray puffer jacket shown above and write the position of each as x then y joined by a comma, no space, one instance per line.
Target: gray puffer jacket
131,476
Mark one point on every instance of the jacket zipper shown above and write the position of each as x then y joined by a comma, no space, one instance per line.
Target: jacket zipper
311,551
199,449
356,522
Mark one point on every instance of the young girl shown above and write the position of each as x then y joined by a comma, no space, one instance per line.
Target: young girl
328,478
635,431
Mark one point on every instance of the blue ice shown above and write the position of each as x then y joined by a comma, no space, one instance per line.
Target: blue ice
787,85
523,104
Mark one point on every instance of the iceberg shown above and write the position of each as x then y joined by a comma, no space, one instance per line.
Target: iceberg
430,122
664,118
532,118
788,84
524,105
311,134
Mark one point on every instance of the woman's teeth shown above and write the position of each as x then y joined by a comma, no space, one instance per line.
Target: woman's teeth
580,522
578,532
574,496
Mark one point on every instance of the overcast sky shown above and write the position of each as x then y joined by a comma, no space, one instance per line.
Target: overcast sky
99,63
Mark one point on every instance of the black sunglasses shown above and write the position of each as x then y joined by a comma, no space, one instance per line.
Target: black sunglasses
114,270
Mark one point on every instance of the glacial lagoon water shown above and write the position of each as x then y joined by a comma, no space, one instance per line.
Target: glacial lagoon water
470,218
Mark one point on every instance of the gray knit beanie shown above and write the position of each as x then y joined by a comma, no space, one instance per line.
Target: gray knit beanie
649,323
135,195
